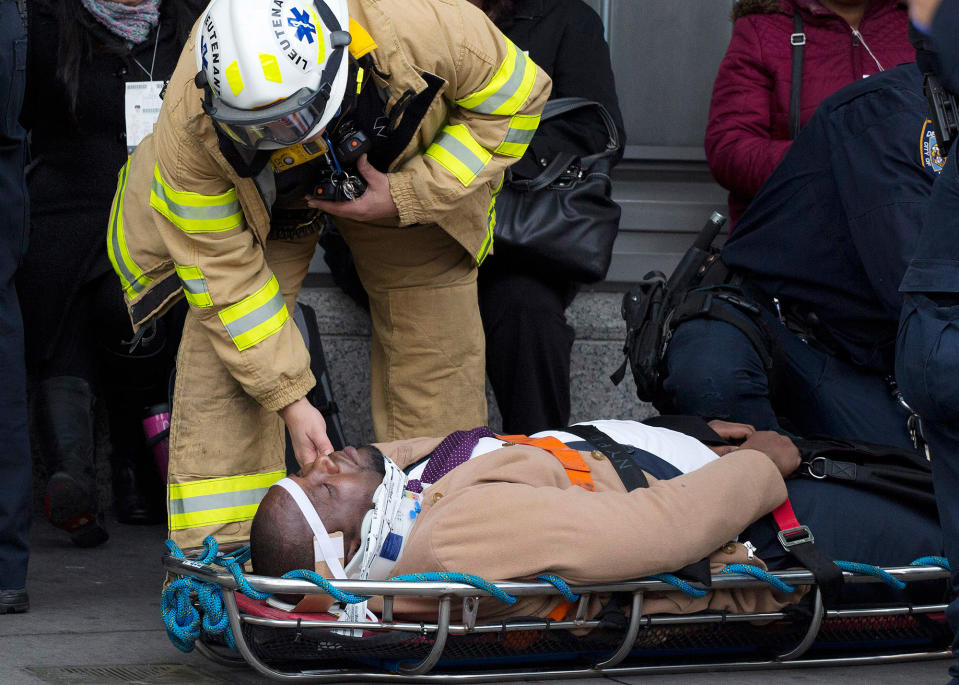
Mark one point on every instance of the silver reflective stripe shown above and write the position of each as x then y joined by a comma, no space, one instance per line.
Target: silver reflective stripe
223,500
195,213
461,152
250,321
508,89
520,136
195,286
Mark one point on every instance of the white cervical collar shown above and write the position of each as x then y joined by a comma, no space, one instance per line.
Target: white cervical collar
386,527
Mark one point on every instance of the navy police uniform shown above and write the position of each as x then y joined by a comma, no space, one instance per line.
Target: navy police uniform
825,243
927,351
15,465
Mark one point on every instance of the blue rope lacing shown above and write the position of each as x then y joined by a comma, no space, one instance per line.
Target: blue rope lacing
680,584
185,622
465,578
869,570
941,562
560,585
761,574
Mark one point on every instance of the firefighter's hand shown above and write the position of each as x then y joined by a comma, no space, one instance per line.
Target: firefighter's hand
307,431
375,203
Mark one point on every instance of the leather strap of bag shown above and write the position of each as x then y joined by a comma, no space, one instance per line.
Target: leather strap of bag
798,41
562,161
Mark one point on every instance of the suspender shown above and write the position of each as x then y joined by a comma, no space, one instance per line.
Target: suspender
798,41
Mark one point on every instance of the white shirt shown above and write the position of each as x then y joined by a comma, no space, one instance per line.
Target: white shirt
680,451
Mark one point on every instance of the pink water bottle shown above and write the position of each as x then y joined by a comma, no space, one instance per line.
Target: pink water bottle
156,427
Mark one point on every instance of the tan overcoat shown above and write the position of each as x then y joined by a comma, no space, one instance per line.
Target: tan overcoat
513,514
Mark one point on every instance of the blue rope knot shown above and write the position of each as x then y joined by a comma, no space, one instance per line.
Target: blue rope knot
680,584
869,570
760,574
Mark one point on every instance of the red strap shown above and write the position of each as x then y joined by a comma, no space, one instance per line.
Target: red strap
785,516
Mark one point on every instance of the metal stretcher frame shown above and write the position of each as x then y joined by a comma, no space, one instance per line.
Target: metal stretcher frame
448,592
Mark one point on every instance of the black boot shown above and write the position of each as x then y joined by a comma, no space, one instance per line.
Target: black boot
137,489
66,427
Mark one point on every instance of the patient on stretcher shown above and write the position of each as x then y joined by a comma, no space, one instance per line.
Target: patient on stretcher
628,501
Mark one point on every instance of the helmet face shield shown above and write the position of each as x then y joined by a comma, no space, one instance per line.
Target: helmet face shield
285,123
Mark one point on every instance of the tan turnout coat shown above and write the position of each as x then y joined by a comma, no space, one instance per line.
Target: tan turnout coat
221,260
513,514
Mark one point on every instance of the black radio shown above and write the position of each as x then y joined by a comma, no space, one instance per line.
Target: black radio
340,181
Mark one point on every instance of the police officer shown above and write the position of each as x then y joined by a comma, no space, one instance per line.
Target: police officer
927,351
807,344
15,463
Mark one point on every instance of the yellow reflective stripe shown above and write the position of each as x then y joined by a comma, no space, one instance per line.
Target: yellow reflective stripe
218,500
456,150
195,213
131,276
271,68
490,224
194,285
522,128
509,88
234,78
256,317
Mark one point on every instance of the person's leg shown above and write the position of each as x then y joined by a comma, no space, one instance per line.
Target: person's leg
927,368
15,463
427,350
226,450
823,395
714,371
130,381
528,346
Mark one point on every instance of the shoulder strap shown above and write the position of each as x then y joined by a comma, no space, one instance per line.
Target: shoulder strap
798,41
619,455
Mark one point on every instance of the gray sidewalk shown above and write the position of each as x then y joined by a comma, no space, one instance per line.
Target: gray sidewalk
101,607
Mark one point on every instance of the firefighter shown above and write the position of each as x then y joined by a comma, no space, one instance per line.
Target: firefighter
267,106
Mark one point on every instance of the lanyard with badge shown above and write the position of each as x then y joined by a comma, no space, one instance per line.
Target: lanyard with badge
142,102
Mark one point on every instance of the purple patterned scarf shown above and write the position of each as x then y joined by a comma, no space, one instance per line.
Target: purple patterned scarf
133,23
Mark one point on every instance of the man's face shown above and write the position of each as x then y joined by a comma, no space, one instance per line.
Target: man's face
341,487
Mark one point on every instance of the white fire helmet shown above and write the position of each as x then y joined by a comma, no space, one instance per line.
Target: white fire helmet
274,71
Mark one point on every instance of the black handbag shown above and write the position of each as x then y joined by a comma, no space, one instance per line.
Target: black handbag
564,221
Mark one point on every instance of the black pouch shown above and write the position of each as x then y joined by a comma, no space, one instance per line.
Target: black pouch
643,311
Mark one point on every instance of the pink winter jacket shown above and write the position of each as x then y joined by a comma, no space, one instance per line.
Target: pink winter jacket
748,130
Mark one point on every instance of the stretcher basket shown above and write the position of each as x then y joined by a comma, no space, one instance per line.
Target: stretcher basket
297,648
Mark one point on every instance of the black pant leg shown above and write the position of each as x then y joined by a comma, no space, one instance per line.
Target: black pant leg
15,463
528,345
